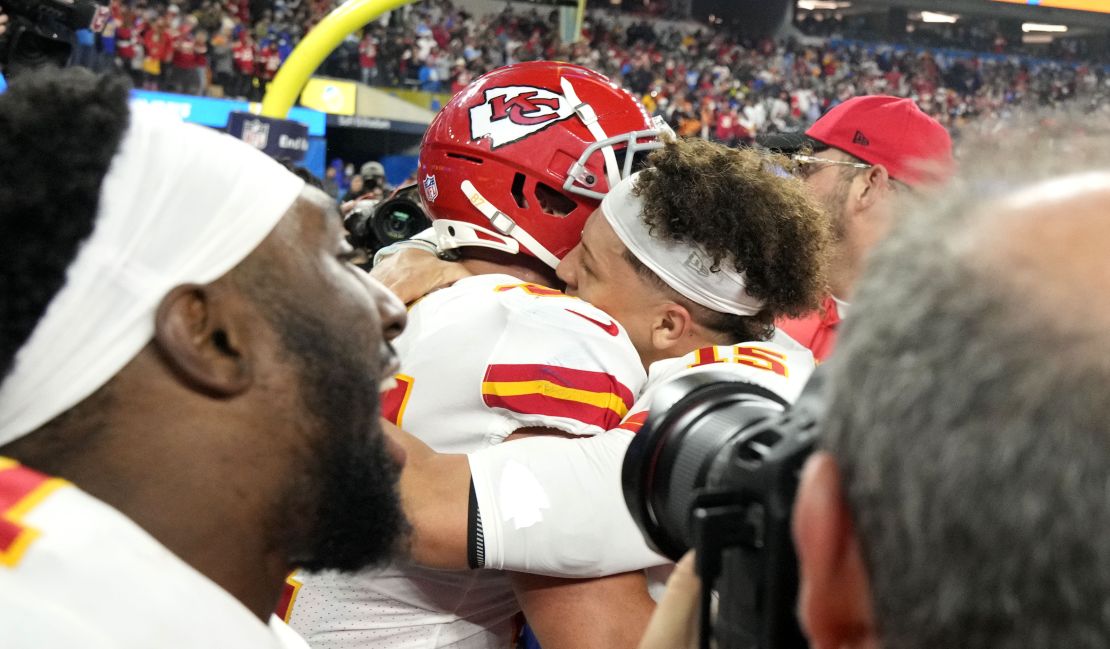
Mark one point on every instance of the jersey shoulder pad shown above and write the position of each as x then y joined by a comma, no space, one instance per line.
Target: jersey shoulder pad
783,371
557,310
560,363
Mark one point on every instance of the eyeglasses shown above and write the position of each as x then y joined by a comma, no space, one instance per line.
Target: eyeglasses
807,165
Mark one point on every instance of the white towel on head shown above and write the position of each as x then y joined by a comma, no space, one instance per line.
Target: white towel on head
180,204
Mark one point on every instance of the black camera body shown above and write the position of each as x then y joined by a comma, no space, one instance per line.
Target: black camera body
715,468
41,32
374,224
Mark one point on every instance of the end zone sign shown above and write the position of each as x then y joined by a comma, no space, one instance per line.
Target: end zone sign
277,138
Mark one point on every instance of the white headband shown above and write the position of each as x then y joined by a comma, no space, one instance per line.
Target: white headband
180,204
682,266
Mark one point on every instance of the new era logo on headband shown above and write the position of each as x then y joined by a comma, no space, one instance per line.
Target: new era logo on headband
512,113
695,263
861,139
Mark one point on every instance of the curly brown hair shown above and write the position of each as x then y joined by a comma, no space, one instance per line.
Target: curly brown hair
736,206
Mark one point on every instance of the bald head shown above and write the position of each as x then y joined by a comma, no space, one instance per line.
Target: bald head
970,423
1048,243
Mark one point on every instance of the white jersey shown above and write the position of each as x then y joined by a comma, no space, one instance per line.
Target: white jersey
479,360
74,572
555,506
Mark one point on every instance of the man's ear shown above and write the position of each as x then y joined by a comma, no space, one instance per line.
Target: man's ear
834,595
671,325
876,182
201,333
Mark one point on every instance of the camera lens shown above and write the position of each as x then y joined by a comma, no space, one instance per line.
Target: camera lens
668,463
715,468
398,219
359,225
397,222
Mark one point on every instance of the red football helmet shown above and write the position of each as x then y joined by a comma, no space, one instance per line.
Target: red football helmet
520,158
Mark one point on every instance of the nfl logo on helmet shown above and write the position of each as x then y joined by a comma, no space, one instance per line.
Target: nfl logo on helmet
431,190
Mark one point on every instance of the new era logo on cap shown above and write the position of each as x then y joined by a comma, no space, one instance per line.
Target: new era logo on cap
913,147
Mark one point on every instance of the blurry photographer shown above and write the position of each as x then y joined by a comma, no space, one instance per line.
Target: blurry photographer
45,32
356,188
373,223
373,177
959,498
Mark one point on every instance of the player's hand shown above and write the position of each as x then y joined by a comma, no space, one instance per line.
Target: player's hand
3,23
675,622
412,273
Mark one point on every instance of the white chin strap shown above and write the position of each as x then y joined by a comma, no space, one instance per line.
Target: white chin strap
588,116
505,236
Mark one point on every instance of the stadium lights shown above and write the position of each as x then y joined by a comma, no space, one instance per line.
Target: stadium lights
1039,27
812,5
934,17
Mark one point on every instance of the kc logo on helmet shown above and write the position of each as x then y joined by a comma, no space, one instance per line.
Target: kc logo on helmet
511,113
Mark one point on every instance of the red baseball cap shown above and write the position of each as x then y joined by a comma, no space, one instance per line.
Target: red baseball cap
881,130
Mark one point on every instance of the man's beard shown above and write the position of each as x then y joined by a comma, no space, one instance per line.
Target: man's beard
835,205
343,512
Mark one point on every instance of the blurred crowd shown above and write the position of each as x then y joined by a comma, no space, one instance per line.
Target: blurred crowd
218,47
703,81
982,34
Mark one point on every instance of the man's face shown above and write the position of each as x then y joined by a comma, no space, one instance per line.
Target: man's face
831,185
597,271
339,508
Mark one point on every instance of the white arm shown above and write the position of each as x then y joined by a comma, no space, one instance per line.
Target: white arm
553,506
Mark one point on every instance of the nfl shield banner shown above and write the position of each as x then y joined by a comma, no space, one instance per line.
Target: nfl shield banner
278,138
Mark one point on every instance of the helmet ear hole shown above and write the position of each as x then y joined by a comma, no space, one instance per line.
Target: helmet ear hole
553,201
518,191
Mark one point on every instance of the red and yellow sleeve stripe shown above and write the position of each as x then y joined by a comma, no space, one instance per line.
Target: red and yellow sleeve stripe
395,401
593,398
21,490
634,422
289,591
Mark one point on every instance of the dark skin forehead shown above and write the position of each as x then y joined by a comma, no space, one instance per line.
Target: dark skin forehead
310,229
313,219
